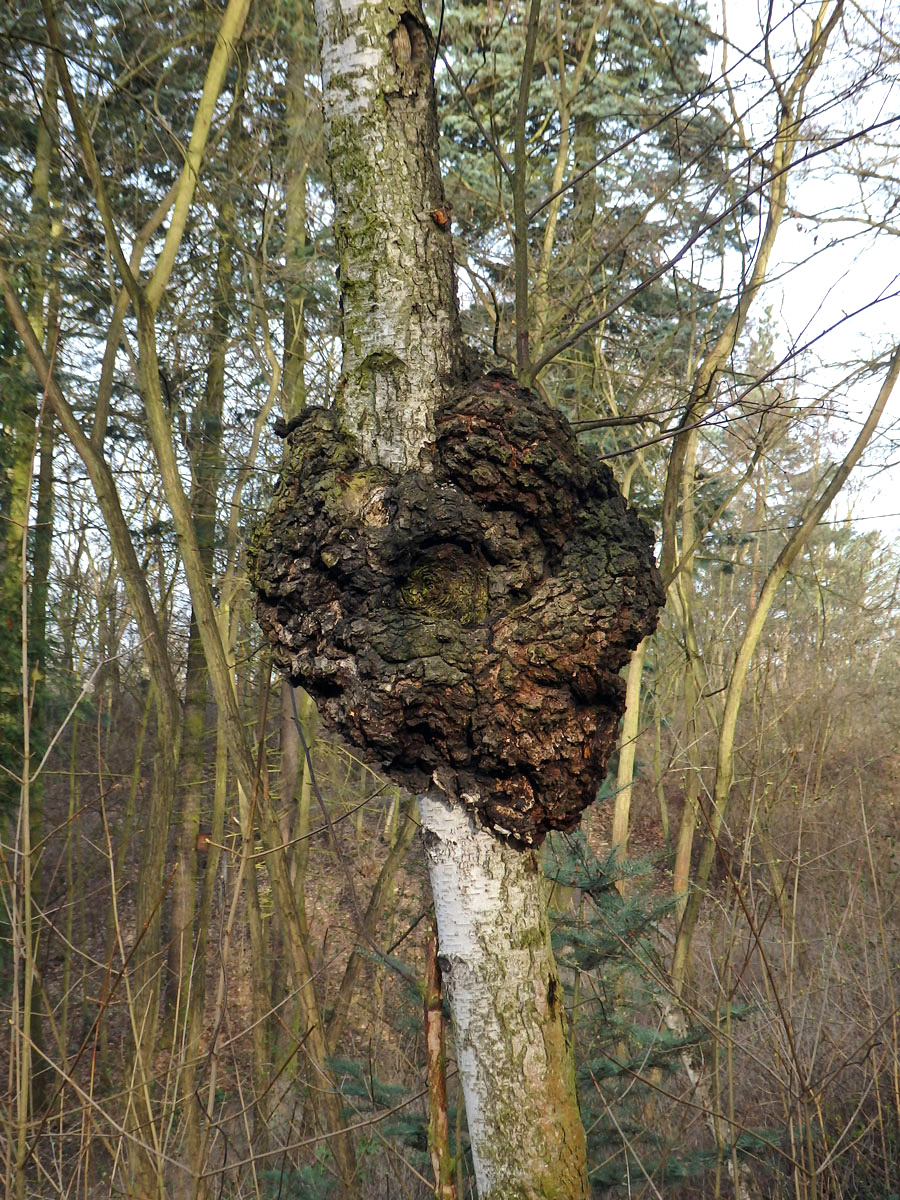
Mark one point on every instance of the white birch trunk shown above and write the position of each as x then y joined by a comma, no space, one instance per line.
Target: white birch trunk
400,327
512,1049
401,346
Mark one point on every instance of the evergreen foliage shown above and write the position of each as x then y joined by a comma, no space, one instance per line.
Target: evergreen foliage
626,1058
310,1182
630,105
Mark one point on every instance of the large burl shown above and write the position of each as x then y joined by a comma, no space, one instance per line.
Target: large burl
463,625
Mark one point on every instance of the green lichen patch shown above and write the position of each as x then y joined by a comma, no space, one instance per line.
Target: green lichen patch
466,625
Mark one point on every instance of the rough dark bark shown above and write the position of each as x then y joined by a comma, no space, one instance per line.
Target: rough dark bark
463,624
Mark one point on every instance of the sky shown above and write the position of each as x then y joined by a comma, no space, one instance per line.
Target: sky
835,281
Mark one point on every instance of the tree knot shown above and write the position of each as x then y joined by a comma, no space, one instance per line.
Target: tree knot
467,624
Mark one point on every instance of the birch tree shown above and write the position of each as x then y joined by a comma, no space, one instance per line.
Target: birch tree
458,587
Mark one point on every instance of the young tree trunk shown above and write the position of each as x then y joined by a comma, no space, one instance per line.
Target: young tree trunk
187,955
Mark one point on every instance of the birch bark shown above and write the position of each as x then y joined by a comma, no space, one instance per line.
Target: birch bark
400,325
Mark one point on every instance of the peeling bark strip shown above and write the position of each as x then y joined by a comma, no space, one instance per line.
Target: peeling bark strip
438,1121
463,625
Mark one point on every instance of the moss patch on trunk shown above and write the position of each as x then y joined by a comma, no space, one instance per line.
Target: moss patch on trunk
463,625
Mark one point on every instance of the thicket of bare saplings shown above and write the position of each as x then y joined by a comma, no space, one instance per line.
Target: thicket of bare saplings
219,970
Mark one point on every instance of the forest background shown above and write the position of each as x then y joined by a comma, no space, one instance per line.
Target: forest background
639,200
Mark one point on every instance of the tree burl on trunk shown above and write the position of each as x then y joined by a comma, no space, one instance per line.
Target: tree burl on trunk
463,624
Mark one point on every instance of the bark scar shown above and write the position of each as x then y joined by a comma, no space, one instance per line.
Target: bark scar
409,50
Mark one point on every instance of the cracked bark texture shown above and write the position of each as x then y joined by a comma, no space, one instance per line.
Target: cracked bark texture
463,626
